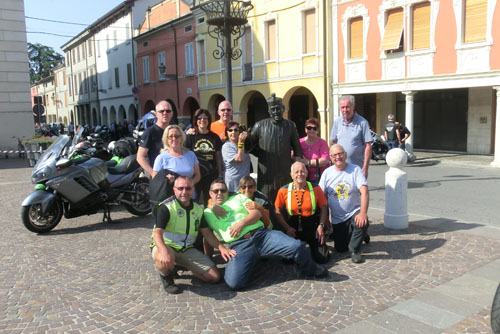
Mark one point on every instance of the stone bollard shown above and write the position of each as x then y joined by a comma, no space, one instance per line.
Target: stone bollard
396,189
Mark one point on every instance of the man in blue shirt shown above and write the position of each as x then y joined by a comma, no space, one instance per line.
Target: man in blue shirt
352,131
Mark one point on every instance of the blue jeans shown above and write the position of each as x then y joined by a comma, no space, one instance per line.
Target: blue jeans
265,242
392,144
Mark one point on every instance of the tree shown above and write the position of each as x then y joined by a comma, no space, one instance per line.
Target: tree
42,59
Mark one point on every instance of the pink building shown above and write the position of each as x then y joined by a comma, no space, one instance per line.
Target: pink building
434,64
166,59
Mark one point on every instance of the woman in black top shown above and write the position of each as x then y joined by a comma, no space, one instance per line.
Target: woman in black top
207,147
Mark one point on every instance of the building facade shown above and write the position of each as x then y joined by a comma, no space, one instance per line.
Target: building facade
434,64
166,59
283,52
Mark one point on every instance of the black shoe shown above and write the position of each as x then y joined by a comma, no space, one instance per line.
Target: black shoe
288,261
366,239
169,285
356,258
320,272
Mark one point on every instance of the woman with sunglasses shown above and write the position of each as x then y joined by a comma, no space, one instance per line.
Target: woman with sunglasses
248,188
315,150
207,147
175,158
236,160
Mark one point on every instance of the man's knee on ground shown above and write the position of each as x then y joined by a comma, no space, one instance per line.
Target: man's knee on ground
212,275
235,284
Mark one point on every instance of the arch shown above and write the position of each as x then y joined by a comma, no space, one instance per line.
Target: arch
122,114
301,105
213,105
150,105
174,119
59,120
65,120
72,116
112,115
104,116
88,120
132,114
254,105
95,118
190,106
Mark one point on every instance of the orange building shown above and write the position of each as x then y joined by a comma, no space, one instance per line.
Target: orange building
435,64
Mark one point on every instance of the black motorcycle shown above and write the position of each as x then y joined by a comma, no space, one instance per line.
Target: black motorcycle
379,147
81,186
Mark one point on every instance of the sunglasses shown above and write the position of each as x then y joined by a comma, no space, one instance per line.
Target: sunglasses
174,136
312,128
202,117
233,130
221,190
337,155
168,111
225,109
184,188
248,186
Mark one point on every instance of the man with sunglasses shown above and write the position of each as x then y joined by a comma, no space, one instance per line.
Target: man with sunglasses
225,111
241,227
178,221
346,190
150,143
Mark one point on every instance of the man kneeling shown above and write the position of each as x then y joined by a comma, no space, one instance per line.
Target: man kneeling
246,234
178,221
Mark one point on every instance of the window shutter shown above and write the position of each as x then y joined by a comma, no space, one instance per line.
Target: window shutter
393,29
271,40
356,37
421,26
310,31
475,20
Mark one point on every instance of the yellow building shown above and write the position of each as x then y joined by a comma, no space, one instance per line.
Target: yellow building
282,52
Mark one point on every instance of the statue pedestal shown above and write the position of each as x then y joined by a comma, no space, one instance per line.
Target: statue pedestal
396,189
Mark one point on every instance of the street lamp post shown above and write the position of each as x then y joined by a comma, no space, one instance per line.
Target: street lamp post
226,18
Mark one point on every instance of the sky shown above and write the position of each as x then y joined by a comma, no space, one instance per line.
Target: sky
75,11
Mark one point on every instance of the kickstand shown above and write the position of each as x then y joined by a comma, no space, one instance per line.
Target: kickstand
107,215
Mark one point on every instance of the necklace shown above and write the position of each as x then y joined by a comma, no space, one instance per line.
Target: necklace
299,204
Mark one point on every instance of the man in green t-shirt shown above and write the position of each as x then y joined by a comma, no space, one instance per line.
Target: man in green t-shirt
246,234
178,221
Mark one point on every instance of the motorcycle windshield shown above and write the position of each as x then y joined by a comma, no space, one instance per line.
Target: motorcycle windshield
47,161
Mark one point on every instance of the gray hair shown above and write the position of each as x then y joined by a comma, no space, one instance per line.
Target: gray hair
337,145
390,117
350,98
298,163
164,137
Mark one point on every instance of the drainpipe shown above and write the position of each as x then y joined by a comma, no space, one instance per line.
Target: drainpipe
325,71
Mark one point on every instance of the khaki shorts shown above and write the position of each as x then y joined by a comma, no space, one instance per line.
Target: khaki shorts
191,259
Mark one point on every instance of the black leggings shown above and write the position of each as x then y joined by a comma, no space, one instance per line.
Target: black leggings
308,234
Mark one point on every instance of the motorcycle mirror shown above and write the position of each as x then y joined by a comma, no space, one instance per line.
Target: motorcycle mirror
63,163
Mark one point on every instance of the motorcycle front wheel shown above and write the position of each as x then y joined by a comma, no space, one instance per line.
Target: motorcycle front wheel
495,312
140,199
34,221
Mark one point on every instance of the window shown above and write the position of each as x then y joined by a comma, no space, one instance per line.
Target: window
98,48
309,33
421,26
271,40
85,83
78,53
201,56
200,20
161,62
393,34
129,74
92,80
68,58
64,78
189,58
84,54
107,41
69,86
115,38
73,56
475,20
117,77
80,88
75,87
356,38
90,48
127,31
65,99
145,69
247,54
188,28
110,79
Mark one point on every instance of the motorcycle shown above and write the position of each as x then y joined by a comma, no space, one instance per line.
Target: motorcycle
495,312
81,186
379,147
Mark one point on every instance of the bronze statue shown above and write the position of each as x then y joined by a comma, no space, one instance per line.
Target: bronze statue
272,140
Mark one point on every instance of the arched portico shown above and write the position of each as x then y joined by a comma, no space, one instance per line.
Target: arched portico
301,105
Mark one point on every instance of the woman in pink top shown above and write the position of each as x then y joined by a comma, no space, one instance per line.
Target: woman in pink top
315,150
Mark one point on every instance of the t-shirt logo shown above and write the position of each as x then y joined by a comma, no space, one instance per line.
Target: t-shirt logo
180,213
342,191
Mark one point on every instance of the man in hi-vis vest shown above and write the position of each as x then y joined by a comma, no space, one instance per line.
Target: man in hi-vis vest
178,221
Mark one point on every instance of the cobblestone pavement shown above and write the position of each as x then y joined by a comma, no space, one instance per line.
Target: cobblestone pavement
92,277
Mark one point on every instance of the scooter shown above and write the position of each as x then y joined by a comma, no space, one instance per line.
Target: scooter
81,186
379,147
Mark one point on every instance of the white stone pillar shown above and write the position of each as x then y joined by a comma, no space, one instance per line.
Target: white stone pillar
409,121
496,160
396,189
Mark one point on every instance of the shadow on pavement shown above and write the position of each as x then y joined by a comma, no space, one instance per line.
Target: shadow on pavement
421,163
401,249
118,224
13,163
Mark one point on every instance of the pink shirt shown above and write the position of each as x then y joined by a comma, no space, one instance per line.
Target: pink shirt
316,151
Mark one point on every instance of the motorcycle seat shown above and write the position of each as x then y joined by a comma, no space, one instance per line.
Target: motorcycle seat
128,165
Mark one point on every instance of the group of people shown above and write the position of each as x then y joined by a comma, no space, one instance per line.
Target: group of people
287,208
396,133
